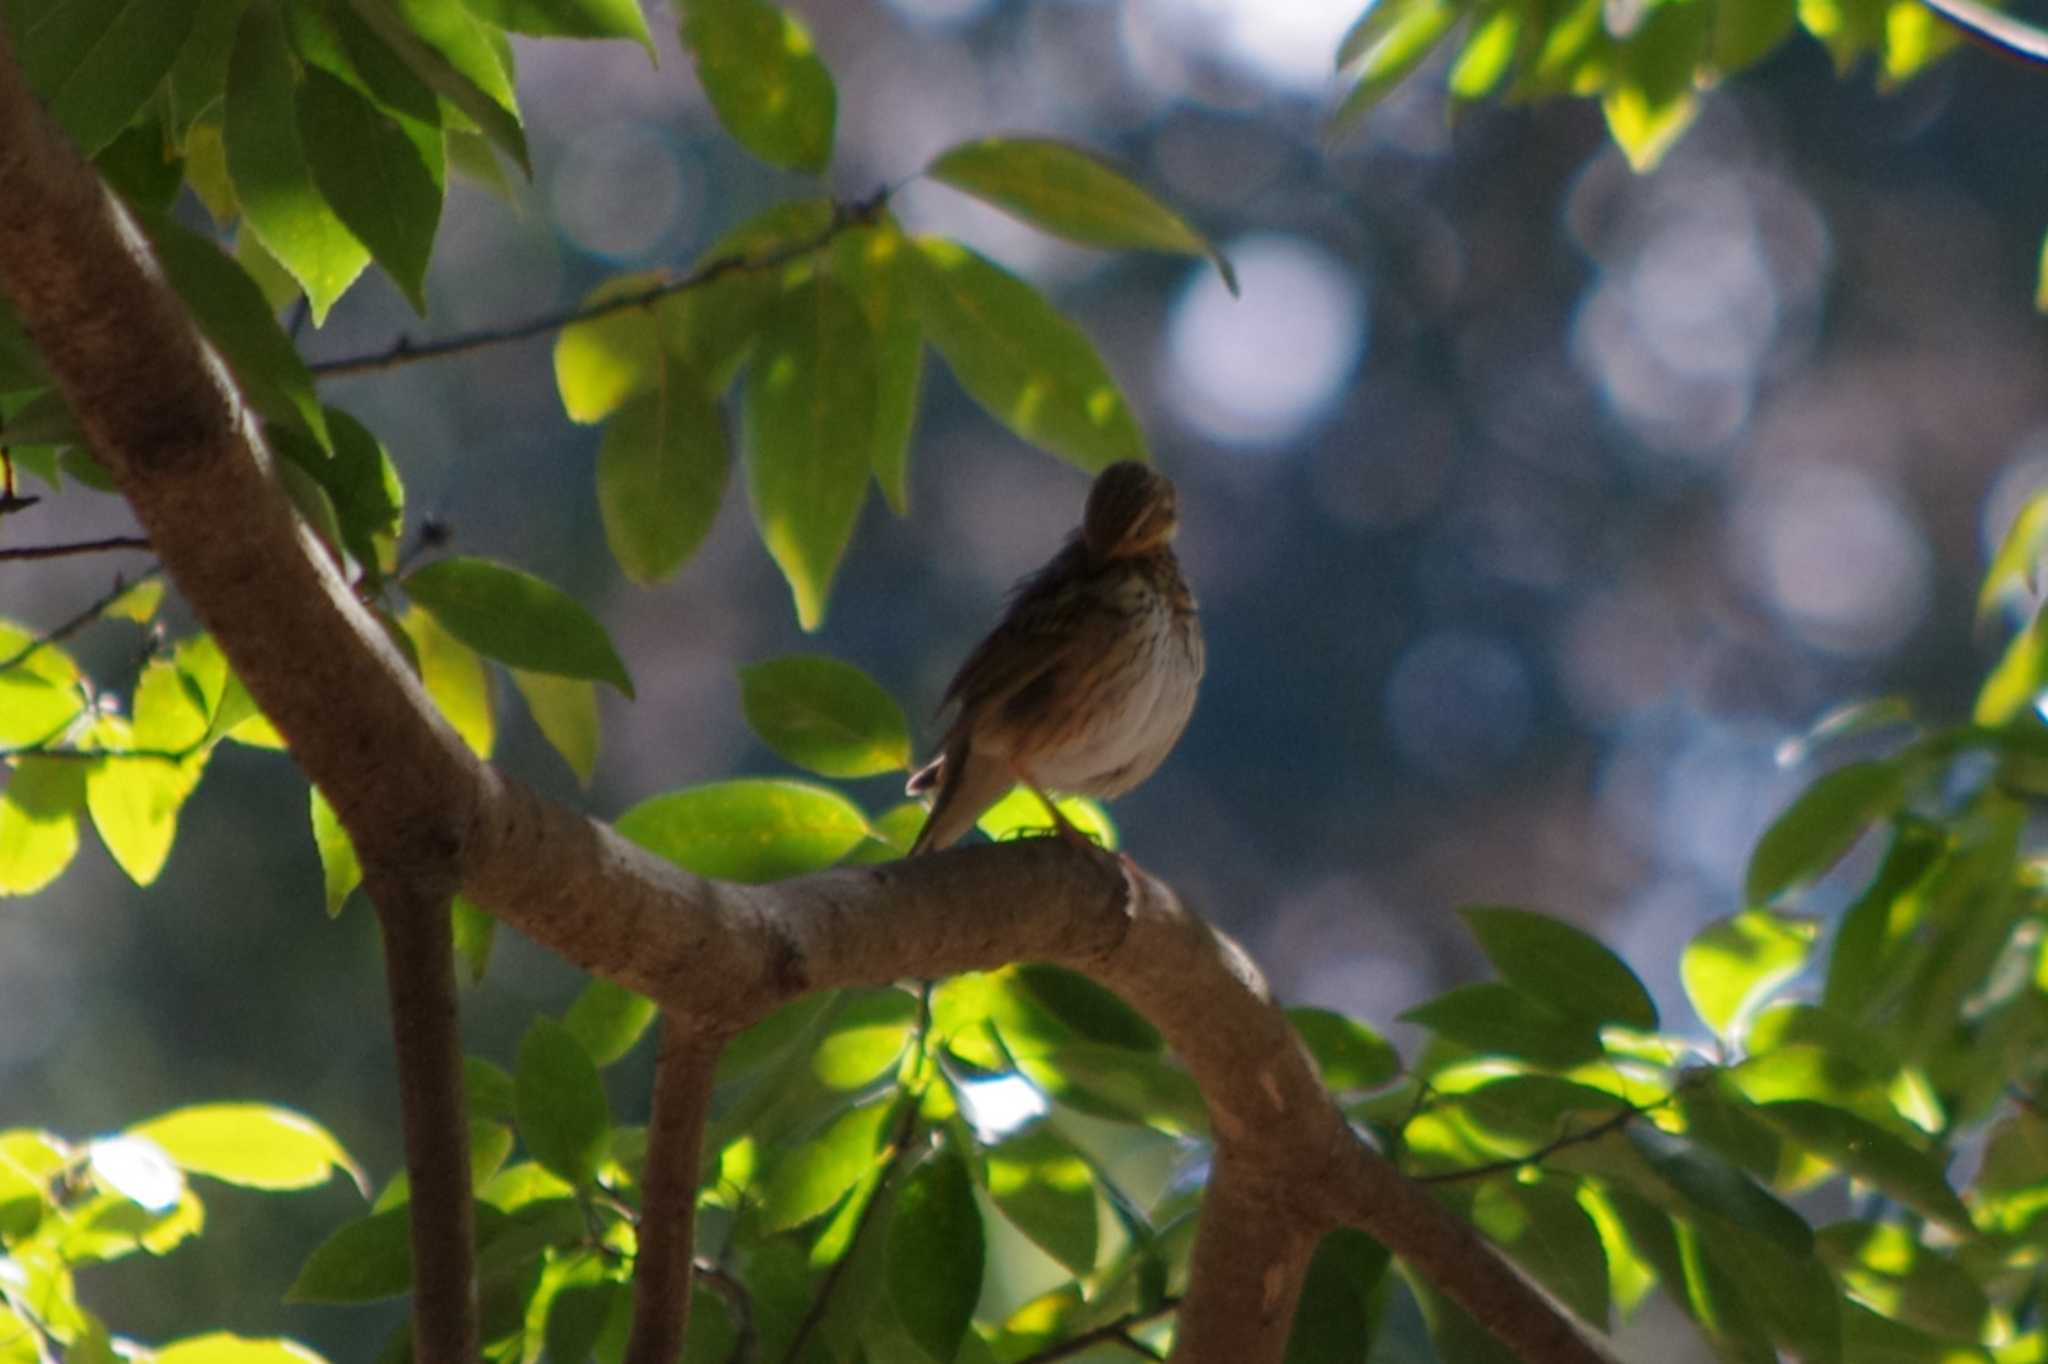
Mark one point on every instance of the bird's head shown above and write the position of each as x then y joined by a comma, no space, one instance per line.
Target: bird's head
1132,510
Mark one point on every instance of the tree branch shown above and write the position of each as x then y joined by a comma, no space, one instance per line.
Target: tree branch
183,451
406,351
664,1265
419,966
16,553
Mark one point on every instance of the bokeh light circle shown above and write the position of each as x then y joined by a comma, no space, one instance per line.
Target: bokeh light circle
1259,369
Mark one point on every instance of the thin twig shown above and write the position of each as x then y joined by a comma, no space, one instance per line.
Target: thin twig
738,1302
78,622
405,350
75,547
899,1143
1614,1122
1116,1332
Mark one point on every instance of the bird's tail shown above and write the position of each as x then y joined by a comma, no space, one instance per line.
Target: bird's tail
967,785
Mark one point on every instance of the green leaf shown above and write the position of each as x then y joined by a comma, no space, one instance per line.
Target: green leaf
39,822
96,63
565,709
1709,1185
936,1253
1033,370
255,1146
1651,100
457,58
1549,1236
1071,193
1388,50
753,830
1818,828
1871,1154
816,1175
1565,968
661,474
564,1119
1872,927
1089,1011
490,1089
233,313
873,261
1349,1054
517,619
134,803
1885,1264
567,19
340,870
1020,814
825,716
2014,568
608,1020
1732,962
367,1259
2015,683
475,932
1047,1188
455,677
1744,34
1119,1084
383,179
222,1347
267,165
1500,1019
810,419
199,75
1338,1317
1489,51
763,76
35,711
864,1039
369,500
602,361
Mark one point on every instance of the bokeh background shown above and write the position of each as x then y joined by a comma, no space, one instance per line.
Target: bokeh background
1532,504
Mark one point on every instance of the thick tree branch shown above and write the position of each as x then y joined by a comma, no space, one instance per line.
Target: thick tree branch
419,967
156,410
664,1264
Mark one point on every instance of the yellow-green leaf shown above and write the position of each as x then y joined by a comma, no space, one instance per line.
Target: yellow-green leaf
340,870
455,677
747,830
661,475
256,1146
565,708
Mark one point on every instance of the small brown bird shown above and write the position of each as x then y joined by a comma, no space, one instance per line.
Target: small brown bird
1085,685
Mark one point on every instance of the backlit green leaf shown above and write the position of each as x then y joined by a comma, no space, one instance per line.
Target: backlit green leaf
602,361
1021,814
382,178
608,1020
1869,1153
39,822
97,62
1548,1236
267,165
517,619
2014,685
565,709
567,18
1349,1054
564,1119
222,1347
1732,962
764,78
810,418
458,58
874,262
455,677
1070,193
825,715
1821,825
1047,1189
1562,966
936,1251
1338,1317
367,1259
340,870
35,711
1493,1018
255,1146
747,830
661,475
1395,37
134,803
1033,370
864,1039
817,1174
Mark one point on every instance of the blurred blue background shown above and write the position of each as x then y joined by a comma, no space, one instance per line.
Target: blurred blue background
1532,505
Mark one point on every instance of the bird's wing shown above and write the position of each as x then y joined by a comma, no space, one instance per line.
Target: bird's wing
1047,622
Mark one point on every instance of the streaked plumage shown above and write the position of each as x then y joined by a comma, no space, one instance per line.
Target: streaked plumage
1086,683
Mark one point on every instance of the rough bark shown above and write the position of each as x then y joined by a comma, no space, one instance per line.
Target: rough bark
160,413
